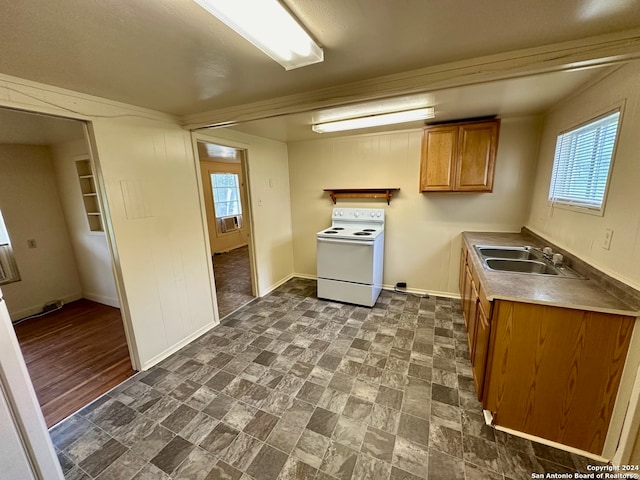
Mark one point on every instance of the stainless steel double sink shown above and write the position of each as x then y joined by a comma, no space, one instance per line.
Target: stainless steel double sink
521,260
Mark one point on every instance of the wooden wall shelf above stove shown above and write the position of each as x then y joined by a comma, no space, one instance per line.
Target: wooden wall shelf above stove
385,193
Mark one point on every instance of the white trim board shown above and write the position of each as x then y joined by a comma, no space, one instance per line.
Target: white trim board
173,349
94,297
488,418
36,309
391,288
280,282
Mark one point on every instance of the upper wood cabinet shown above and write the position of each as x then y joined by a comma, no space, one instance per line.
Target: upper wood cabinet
459,157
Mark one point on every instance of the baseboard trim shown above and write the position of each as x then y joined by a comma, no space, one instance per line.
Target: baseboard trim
549,443
174,348
418,291
94,297
391,288
277,284
35,309
304,275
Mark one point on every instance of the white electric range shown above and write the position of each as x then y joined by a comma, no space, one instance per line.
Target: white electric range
350,256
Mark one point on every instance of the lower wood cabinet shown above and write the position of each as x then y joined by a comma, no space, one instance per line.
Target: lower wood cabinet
547,371
481,348
554,372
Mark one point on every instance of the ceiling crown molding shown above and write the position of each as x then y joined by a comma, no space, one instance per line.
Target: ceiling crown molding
601,50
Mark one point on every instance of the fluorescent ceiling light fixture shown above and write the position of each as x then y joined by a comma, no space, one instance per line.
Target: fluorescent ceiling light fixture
374,120
374,107
270,27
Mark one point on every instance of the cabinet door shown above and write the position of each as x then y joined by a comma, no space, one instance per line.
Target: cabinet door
463,263
467,292
554,372
473,319
477,144
481,344
437,168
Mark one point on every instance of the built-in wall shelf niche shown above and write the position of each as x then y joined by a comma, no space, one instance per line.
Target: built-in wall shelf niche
89,194
385,193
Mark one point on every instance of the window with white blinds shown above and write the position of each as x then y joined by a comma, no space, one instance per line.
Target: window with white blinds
582,163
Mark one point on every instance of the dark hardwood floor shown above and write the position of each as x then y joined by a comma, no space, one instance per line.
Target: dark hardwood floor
74,355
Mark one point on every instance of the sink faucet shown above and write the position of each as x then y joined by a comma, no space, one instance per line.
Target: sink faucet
547,253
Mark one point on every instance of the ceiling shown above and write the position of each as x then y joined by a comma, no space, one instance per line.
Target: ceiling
32,129
171,56
506,98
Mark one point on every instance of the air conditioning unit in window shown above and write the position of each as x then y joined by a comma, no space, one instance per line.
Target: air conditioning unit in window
8,268
229,224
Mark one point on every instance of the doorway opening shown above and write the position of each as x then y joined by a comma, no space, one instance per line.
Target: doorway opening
61,295
222,171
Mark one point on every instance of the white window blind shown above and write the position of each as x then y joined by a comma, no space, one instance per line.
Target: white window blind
582,163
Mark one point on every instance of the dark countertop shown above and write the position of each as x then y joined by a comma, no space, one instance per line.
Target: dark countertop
576,293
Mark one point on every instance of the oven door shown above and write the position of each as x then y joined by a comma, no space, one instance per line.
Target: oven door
346,260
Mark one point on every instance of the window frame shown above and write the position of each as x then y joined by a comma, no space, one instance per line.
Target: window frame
618,107
238,201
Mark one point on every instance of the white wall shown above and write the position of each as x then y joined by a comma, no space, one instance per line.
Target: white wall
270,204
422,231
581,233
157,235
31,208
90,248
149,174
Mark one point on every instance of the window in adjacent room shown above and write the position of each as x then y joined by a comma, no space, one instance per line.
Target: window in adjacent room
226,201
8,268
582,163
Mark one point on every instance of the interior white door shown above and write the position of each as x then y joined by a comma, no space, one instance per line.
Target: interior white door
26,451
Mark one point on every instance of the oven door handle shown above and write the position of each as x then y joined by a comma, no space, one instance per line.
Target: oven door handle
348,242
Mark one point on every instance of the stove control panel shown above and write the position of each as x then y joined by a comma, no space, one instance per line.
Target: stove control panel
359,214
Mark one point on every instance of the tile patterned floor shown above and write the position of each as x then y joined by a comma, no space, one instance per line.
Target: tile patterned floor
292,387
233,280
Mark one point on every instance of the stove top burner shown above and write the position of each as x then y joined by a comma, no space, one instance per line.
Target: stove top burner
353,232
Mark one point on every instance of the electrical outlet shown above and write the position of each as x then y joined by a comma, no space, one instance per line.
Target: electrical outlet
31,243
606,238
